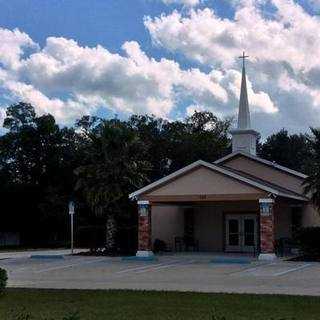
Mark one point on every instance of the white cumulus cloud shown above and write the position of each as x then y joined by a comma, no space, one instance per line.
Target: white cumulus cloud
291,36
69,80
282,41
281,38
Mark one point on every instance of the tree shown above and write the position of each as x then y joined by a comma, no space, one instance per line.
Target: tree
312,183
291,151
115,166
201,136
173,145
18,116
151,130
37,159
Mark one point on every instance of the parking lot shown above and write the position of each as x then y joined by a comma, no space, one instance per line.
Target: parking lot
175,272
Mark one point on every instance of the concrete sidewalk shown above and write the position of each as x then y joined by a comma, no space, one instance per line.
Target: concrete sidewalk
43,252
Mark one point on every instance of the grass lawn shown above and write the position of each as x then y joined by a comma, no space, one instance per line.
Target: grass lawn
109,305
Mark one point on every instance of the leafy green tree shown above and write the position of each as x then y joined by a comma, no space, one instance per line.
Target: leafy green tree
20,115
37,156
201,136
151,132
115,166
312,183
173,145
291,151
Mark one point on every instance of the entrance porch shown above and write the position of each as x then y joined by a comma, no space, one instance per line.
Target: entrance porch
216,209
249,227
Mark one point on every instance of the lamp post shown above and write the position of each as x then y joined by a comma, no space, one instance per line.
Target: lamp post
71,213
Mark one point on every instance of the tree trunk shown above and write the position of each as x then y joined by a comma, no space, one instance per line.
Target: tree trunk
111,230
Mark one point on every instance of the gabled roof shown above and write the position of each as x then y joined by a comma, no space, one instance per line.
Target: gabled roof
268,183
262,185
266,162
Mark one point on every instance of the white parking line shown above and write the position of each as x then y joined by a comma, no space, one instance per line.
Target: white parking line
69,265
245,270
19,269
33,266
166,266
139,268
16,265
292,270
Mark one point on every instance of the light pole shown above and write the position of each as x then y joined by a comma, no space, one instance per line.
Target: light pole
71,213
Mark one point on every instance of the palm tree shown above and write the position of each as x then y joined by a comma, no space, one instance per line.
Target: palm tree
312,183
115,166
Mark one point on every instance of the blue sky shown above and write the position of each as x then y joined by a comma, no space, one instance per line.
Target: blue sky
182,58
106,22
109,23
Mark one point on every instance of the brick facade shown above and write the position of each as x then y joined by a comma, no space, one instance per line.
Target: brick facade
144,237
267,232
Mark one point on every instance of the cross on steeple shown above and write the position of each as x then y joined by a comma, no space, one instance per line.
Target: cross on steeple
244,139
243,57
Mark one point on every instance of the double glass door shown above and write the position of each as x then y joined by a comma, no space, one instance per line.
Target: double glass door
241,233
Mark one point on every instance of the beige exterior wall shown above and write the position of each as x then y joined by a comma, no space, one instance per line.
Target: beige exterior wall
283,221
209,228
310,216
168,222
203,181
265,172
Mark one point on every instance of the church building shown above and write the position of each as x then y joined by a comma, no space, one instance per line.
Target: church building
240,203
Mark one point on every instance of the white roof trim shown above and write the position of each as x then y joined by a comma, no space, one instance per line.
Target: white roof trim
268,163
215,168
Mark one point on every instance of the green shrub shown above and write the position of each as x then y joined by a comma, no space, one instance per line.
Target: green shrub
3,279
309,241
92,237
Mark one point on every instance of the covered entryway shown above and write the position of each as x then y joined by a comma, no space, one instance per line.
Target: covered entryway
205,226
231,212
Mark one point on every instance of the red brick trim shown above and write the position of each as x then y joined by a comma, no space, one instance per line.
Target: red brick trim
144,232
267,238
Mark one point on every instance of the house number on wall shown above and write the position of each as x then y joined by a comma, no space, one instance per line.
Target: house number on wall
266,206
143,208
265,209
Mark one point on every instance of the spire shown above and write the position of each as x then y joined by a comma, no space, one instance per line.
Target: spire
244,139
244,113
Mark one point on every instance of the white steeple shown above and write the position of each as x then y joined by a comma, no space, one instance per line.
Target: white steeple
244,113
244,138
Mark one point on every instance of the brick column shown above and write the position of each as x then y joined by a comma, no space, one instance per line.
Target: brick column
267,239
144,231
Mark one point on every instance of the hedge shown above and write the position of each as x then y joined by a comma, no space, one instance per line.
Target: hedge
309,241
3,279
92,237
